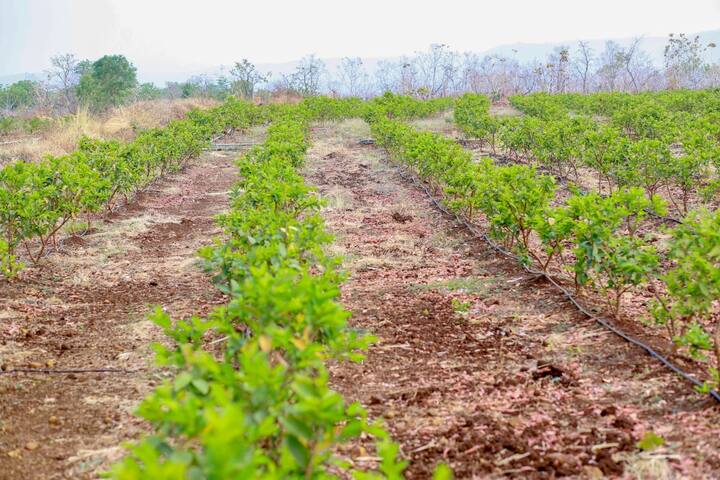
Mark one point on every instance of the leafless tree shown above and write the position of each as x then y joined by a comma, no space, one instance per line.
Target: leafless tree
626,69
685,66
352,76
173,90
438,70
396,76
306,78
583,64
494,75
712,76
633,63
610,69
531,78
386,78
470,73
65,74
557,66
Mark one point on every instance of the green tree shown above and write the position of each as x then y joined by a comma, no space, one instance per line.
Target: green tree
148,91
108,82
17,95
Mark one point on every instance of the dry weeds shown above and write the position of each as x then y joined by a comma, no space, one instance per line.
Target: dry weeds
120,123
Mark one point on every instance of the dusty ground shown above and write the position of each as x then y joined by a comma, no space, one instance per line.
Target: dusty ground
87,308
479,365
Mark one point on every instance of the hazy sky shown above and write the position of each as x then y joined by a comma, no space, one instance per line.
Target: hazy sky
172,35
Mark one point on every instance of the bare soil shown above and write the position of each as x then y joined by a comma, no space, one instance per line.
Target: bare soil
87,308
479,365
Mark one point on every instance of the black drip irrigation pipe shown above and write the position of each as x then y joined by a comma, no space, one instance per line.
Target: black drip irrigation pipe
69,370
600,320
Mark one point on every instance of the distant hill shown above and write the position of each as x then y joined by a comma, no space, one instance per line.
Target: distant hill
16,77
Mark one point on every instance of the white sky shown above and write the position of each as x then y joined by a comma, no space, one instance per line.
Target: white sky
172,35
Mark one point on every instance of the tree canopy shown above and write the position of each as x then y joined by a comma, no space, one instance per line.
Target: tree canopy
107,82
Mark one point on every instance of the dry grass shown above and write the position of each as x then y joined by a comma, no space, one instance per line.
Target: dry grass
504,111
650,466
119,123
152,113
442,123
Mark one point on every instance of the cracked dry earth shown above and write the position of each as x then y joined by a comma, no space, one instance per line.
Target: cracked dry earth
477,364
87,308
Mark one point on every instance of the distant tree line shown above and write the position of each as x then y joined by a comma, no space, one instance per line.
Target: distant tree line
440,71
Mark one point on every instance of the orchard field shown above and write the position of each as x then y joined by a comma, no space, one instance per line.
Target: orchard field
384,288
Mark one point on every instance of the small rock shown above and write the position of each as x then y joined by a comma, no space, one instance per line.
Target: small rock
124,356
610,410
623,422
591,472
31,446
401,218
53,420
35,365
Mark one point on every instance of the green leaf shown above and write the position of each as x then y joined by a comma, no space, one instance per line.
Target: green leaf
650,441
297,427
443,472
298,450
182,380
201,385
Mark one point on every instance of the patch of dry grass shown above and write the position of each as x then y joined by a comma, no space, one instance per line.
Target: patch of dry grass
119,123
443,123
504,111
353,130
650,466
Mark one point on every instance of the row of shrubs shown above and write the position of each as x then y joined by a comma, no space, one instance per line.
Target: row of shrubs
593,237
38,199
250,396
388,105
640,145
546,105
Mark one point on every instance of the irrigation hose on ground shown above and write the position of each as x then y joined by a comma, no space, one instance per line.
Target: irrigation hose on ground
600,320
68,370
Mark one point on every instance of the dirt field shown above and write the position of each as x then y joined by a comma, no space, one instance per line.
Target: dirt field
480,366
87,308
477,364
